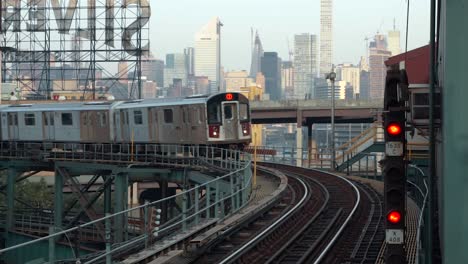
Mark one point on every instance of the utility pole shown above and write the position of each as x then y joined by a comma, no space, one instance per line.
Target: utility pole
331,76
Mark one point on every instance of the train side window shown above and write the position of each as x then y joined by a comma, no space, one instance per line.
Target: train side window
138,117
214,113
67,119
168,118
29,120
244,112
228,112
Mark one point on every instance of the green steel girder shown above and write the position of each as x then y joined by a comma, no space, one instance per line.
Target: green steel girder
201,178
85,203
83,190
92,200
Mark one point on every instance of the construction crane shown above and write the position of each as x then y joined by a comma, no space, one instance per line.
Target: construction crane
290,51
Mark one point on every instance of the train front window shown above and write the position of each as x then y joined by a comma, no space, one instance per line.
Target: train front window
244,111
228,112
214,113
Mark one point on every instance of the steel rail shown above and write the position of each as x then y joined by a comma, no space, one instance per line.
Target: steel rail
335,238
233,256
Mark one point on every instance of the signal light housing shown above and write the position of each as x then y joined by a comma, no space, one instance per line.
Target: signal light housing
394,217
394,129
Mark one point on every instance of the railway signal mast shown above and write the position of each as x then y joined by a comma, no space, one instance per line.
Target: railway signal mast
394,165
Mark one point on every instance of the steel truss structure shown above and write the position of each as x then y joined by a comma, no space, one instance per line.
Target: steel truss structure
86,48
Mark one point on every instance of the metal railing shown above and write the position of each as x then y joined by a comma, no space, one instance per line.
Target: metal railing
419,191
211,201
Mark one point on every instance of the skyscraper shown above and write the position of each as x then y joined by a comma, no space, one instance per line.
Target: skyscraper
305,65
394,42
257,54
208,53
175,69
350,74
377,70
287,79
326,36
271,68
190,60
153,69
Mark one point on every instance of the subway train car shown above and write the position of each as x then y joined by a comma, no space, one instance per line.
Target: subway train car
222,119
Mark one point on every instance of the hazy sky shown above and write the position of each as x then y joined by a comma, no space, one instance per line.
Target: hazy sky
174,23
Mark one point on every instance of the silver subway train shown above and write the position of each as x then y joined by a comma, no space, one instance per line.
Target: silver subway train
222,119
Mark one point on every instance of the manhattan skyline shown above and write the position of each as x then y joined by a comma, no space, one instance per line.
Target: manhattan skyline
174,26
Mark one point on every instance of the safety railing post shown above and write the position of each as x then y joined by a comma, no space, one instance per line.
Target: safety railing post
51,245
239,190
231,182
216,213
197,206
146,228
108,240
207,198
184,212
222,205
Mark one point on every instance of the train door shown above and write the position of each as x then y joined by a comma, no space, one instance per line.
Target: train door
13,131
49,125
125,125
153,124
230,120
86,125
186,124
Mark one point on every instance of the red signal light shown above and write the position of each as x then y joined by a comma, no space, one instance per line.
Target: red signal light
229,96
394,129
394,217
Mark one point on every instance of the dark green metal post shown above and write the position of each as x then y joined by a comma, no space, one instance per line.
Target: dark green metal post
58,200
428,243
164,185
107,211
120,201
10,198
455,130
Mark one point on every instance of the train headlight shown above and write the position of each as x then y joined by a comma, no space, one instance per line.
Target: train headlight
245,129
213,131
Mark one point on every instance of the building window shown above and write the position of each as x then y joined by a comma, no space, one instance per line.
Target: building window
138,117
67,119
29,120
168,116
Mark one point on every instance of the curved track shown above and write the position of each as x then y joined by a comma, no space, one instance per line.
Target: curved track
331,220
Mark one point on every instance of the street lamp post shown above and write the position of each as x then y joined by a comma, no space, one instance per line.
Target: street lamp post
331,76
